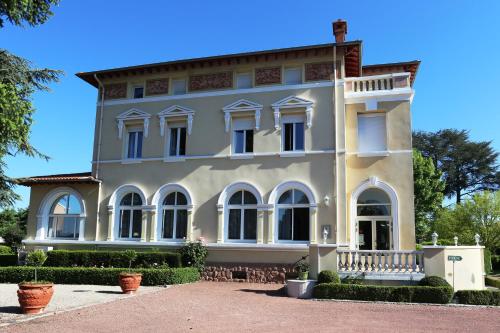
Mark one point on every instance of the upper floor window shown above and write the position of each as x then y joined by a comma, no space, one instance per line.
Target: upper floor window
372,135
179,87
293,75
131,216
175,216
242,136
243,80
292,134
139,92
242,220
177,141
134,144
64,217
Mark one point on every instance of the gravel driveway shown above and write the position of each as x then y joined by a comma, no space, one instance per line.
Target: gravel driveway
242,307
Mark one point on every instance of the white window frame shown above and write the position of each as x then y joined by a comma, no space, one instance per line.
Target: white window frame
133,129
297,69
171,127
241,124
292,120
174,81
175,208
368,153
248,74
131,208
291,206
373,220
242,208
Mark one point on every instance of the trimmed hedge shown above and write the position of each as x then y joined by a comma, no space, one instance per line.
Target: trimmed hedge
491,281
328,277
98,276
478,297
8,260
5,250
66,258
415,294
433,281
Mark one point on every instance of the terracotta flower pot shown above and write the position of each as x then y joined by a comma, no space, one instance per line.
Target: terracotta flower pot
130,282
34,297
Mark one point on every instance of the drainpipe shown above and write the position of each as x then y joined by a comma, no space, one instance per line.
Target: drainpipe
98,156
336,153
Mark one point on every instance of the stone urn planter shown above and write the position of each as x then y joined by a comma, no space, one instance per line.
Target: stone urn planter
300,288
130,282
34,297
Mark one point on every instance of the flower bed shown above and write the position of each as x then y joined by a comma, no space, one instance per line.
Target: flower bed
98,276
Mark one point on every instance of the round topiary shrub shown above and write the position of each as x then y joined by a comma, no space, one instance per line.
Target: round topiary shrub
433,281
328,277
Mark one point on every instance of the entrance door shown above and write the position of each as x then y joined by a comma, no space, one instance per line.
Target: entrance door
374,234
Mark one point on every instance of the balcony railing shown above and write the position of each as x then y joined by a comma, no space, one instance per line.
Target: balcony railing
377,83
366,261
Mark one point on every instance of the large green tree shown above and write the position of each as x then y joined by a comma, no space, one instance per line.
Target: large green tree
13,226
19,80
428,189
467,166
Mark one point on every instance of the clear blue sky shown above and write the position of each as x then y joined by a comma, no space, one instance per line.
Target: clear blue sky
458,43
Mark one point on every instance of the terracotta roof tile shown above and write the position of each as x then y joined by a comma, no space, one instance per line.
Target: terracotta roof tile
70,178
400,67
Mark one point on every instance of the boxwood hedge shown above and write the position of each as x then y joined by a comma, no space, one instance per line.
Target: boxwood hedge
98,276
415,294
478,297
8,260
67,258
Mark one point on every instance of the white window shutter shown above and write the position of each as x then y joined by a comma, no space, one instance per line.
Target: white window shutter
371,133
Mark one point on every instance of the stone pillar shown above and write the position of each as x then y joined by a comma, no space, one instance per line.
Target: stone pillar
313,232
144,225
260,226
270,232
111,223
81,230
153,236
189,234
322,257
220,225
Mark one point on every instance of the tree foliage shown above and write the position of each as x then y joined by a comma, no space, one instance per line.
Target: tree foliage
480,214
33,12
428,189
13,226
467,167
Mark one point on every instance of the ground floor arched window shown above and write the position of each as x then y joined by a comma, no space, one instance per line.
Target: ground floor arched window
64,217
175,216
373,219
293,216
130,216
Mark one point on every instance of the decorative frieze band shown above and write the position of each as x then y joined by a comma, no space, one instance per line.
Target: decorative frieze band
157,87
223,80
115,90
318,71
267,75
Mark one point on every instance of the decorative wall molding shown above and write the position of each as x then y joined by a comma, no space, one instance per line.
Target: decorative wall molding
131,115
115,90
221,80
267,75
157,87
176,111
318,71
292,102
242,105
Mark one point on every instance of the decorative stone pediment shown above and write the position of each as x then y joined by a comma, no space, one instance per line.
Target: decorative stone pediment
292,102
176,111
131,115
242,105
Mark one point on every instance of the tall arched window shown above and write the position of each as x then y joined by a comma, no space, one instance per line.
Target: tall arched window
293,216
374,223
130,216
242,219
175,215
64,217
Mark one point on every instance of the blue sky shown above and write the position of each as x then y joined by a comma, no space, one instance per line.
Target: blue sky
457,41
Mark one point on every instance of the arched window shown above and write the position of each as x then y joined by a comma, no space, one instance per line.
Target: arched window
293,216
130,216
175,215
64,217
374,223
242,219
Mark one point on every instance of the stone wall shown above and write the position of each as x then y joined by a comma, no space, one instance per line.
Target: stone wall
257,273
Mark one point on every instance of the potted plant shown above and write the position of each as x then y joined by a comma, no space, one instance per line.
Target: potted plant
35,295
130,282
302,268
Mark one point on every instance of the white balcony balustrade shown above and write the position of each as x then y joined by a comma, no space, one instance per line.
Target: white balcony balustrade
377,83
380,262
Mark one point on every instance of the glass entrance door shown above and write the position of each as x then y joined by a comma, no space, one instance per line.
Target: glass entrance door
374,234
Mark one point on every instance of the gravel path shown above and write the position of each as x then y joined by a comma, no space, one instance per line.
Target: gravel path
65,297
241,307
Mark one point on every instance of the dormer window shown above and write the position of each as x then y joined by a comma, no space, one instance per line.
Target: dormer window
138,91
243,81
293,75
179,87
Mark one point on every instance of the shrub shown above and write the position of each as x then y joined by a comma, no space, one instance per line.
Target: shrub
194,254
417,294
495,262
5,250
8,260
488,267
328,277
85,258
98,276
491,281
434,281
478,297
354,279
36,259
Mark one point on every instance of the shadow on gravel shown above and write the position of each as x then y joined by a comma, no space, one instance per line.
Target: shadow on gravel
275,293
10,309
109,292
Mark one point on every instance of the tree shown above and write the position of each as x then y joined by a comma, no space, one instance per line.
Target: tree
33,12
13,226
480,214
18,82
428,190
467,167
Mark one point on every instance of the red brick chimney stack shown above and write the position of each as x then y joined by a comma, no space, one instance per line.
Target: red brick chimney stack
339,30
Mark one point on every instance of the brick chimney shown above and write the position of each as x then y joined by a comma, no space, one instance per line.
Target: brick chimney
339,30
